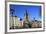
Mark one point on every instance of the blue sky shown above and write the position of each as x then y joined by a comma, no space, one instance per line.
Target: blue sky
33,11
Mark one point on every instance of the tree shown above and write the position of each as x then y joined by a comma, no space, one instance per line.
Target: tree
12,11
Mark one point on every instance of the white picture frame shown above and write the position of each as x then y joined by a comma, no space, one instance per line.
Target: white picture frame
25,3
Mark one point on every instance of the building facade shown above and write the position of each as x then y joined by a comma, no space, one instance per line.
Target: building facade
36,24
15,22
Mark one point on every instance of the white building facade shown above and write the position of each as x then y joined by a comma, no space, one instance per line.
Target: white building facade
14,22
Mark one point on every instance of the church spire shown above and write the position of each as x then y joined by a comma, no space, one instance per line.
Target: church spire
26,13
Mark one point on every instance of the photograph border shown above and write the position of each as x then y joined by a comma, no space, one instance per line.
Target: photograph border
26,2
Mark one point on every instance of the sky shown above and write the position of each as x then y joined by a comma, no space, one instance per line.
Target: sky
33,11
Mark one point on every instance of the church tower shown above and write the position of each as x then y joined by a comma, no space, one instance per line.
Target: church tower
26,15
26,22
